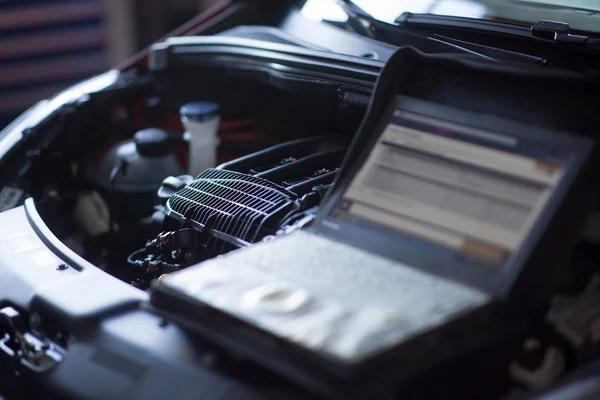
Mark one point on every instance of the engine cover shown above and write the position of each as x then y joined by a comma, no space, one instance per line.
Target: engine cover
232,206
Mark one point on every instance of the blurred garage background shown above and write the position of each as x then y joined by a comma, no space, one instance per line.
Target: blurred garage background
47,45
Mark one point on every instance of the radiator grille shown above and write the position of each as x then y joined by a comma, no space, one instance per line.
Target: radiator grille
233,205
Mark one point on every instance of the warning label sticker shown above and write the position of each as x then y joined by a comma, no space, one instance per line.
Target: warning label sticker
43,257
19,242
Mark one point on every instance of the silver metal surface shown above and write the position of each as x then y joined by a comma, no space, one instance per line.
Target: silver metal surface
354,304
230,205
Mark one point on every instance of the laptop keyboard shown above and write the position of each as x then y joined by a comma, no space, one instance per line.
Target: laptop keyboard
325,295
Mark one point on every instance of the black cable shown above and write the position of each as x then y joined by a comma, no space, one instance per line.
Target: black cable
130,258
168,265
289,216
292,219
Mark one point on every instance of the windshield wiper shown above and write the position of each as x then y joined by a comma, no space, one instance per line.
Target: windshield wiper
436,22
364,24
547,31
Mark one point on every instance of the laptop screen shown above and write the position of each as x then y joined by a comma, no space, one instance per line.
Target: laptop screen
473,191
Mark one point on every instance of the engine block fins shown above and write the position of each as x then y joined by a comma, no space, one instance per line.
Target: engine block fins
234,207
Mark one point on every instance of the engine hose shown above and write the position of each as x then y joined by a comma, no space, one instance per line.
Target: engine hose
137,259
133,256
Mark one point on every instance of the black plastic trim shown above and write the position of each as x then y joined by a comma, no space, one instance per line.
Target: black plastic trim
90,295
270,34
196,51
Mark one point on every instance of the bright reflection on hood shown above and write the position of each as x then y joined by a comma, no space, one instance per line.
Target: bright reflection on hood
387,10
579,14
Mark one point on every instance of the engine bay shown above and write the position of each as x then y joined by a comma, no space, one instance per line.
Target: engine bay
123,204
118,177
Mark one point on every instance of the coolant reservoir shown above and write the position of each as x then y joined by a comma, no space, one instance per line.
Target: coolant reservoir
133,170
201,121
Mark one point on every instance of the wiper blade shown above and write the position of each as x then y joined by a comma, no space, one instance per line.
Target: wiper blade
548,31
433,21
363,23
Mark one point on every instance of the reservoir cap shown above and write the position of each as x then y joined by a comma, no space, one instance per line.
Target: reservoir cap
152,142
199,110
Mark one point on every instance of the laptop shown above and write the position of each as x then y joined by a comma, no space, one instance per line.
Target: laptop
432,223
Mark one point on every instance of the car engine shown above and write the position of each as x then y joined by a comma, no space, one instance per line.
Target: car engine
240,202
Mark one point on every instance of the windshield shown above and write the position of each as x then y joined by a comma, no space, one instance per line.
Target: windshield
579,14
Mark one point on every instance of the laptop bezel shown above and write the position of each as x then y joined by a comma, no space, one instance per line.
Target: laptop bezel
402,248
